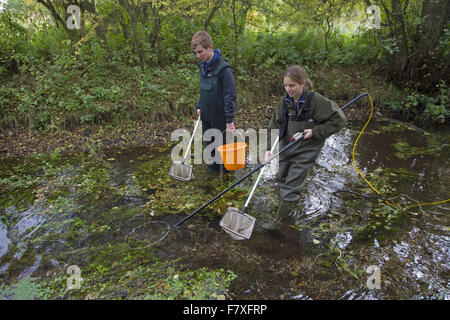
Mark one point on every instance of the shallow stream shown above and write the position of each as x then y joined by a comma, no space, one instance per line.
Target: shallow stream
80,210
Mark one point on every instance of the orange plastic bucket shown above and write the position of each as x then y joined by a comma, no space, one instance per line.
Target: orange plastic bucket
233,155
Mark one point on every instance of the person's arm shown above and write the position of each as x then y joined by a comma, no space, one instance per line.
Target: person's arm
328,117
229,95
197,107
274,123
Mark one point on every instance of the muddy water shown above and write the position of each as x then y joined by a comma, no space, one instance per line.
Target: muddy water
337,237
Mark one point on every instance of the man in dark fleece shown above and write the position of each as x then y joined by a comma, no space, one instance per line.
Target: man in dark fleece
217,103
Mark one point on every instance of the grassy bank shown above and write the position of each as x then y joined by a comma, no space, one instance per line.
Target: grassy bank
73,107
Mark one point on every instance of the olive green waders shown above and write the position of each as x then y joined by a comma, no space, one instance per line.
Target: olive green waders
293,170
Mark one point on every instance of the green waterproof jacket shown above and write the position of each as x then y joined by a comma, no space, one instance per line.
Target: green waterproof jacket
324,118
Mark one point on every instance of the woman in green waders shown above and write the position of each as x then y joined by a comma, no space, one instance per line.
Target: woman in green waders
302,110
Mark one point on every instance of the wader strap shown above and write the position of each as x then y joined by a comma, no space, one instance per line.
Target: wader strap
284,120
308,101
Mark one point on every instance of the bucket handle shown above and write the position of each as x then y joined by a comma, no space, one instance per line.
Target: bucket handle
235,130
226,142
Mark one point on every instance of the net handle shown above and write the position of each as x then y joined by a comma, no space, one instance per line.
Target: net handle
190,140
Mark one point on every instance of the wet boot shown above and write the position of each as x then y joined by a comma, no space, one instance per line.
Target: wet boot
271,226
282,216
223,170
213,167
284,210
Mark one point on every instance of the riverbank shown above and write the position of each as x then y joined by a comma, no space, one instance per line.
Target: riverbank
337,83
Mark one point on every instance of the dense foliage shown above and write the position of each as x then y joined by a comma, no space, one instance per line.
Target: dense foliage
131,60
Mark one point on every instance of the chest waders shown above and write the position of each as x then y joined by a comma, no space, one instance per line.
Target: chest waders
211,105
295,163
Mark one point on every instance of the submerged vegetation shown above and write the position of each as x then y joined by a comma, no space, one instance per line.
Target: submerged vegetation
63,210
81,203
72,189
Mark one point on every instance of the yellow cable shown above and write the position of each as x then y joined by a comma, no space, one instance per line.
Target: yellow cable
340,255
425,204
354,148
357,169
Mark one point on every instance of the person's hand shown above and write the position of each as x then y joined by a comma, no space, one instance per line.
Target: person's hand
198,112
308,134
230,126
268,155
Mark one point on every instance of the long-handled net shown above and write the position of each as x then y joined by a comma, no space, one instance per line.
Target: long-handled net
149,233
142,233
180,170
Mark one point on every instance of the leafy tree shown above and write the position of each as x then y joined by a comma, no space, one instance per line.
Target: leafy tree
412,31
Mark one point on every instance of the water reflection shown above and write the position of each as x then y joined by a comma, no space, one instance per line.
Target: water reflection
414,261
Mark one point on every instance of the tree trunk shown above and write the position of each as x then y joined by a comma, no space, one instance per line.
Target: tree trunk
429,63
132,9
137,46
434,14
420,66
400,33
397,60
155,38
327,34
211,14
235,32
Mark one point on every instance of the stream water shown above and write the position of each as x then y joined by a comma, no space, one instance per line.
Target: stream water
58,211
